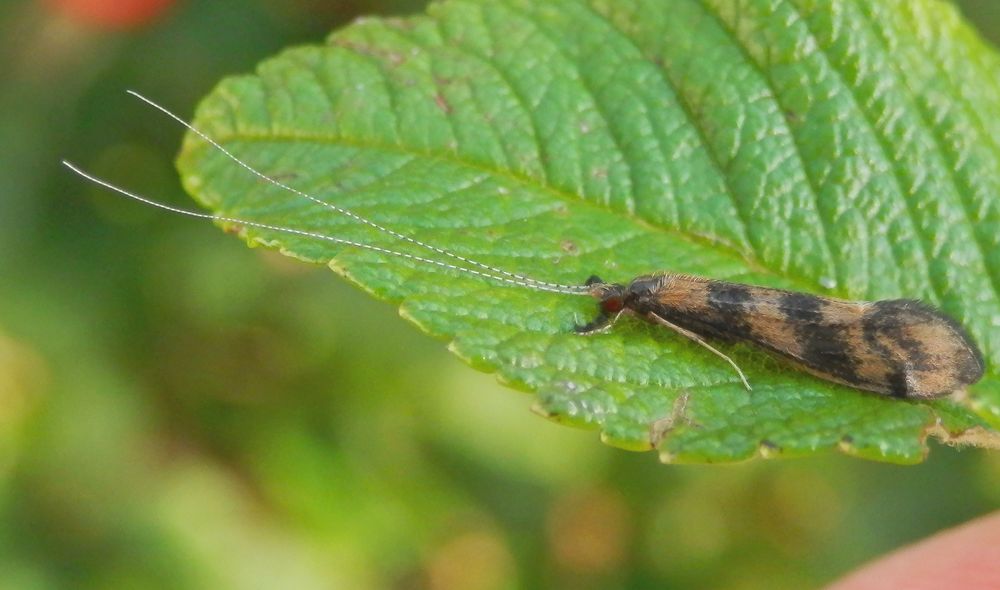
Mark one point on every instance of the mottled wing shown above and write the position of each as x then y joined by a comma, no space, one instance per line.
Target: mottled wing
900,348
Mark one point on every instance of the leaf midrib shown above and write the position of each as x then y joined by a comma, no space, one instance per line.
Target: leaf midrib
685,107
751,265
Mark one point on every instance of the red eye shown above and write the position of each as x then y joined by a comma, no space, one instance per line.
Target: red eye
613,305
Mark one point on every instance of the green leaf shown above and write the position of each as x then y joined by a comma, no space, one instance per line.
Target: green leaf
22,374
837,147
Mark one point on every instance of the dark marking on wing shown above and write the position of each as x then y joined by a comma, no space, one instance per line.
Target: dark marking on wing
821,344
829,349
731,306
801,307
928,354
710,324
898,386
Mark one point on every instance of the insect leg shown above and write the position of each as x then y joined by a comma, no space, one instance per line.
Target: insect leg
601,323
691,335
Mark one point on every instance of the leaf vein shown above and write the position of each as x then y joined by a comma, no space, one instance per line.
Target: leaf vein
814,191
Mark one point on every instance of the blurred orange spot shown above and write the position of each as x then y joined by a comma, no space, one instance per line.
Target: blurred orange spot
111,14
474,560
588,531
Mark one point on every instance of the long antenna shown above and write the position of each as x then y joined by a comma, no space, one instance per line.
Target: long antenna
553,288
492,271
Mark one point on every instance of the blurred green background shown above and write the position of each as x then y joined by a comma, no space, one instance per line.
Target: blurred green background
179,411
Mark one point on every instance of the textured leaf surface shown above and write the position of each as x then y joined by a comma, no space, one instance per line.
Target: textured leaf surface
837,147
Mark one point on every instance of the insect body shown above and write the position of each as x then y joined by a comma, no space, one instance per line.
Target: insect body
896,347
900,348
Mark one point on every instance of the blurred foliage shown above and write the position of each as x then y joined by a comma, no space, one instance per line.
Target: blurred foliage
180,412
